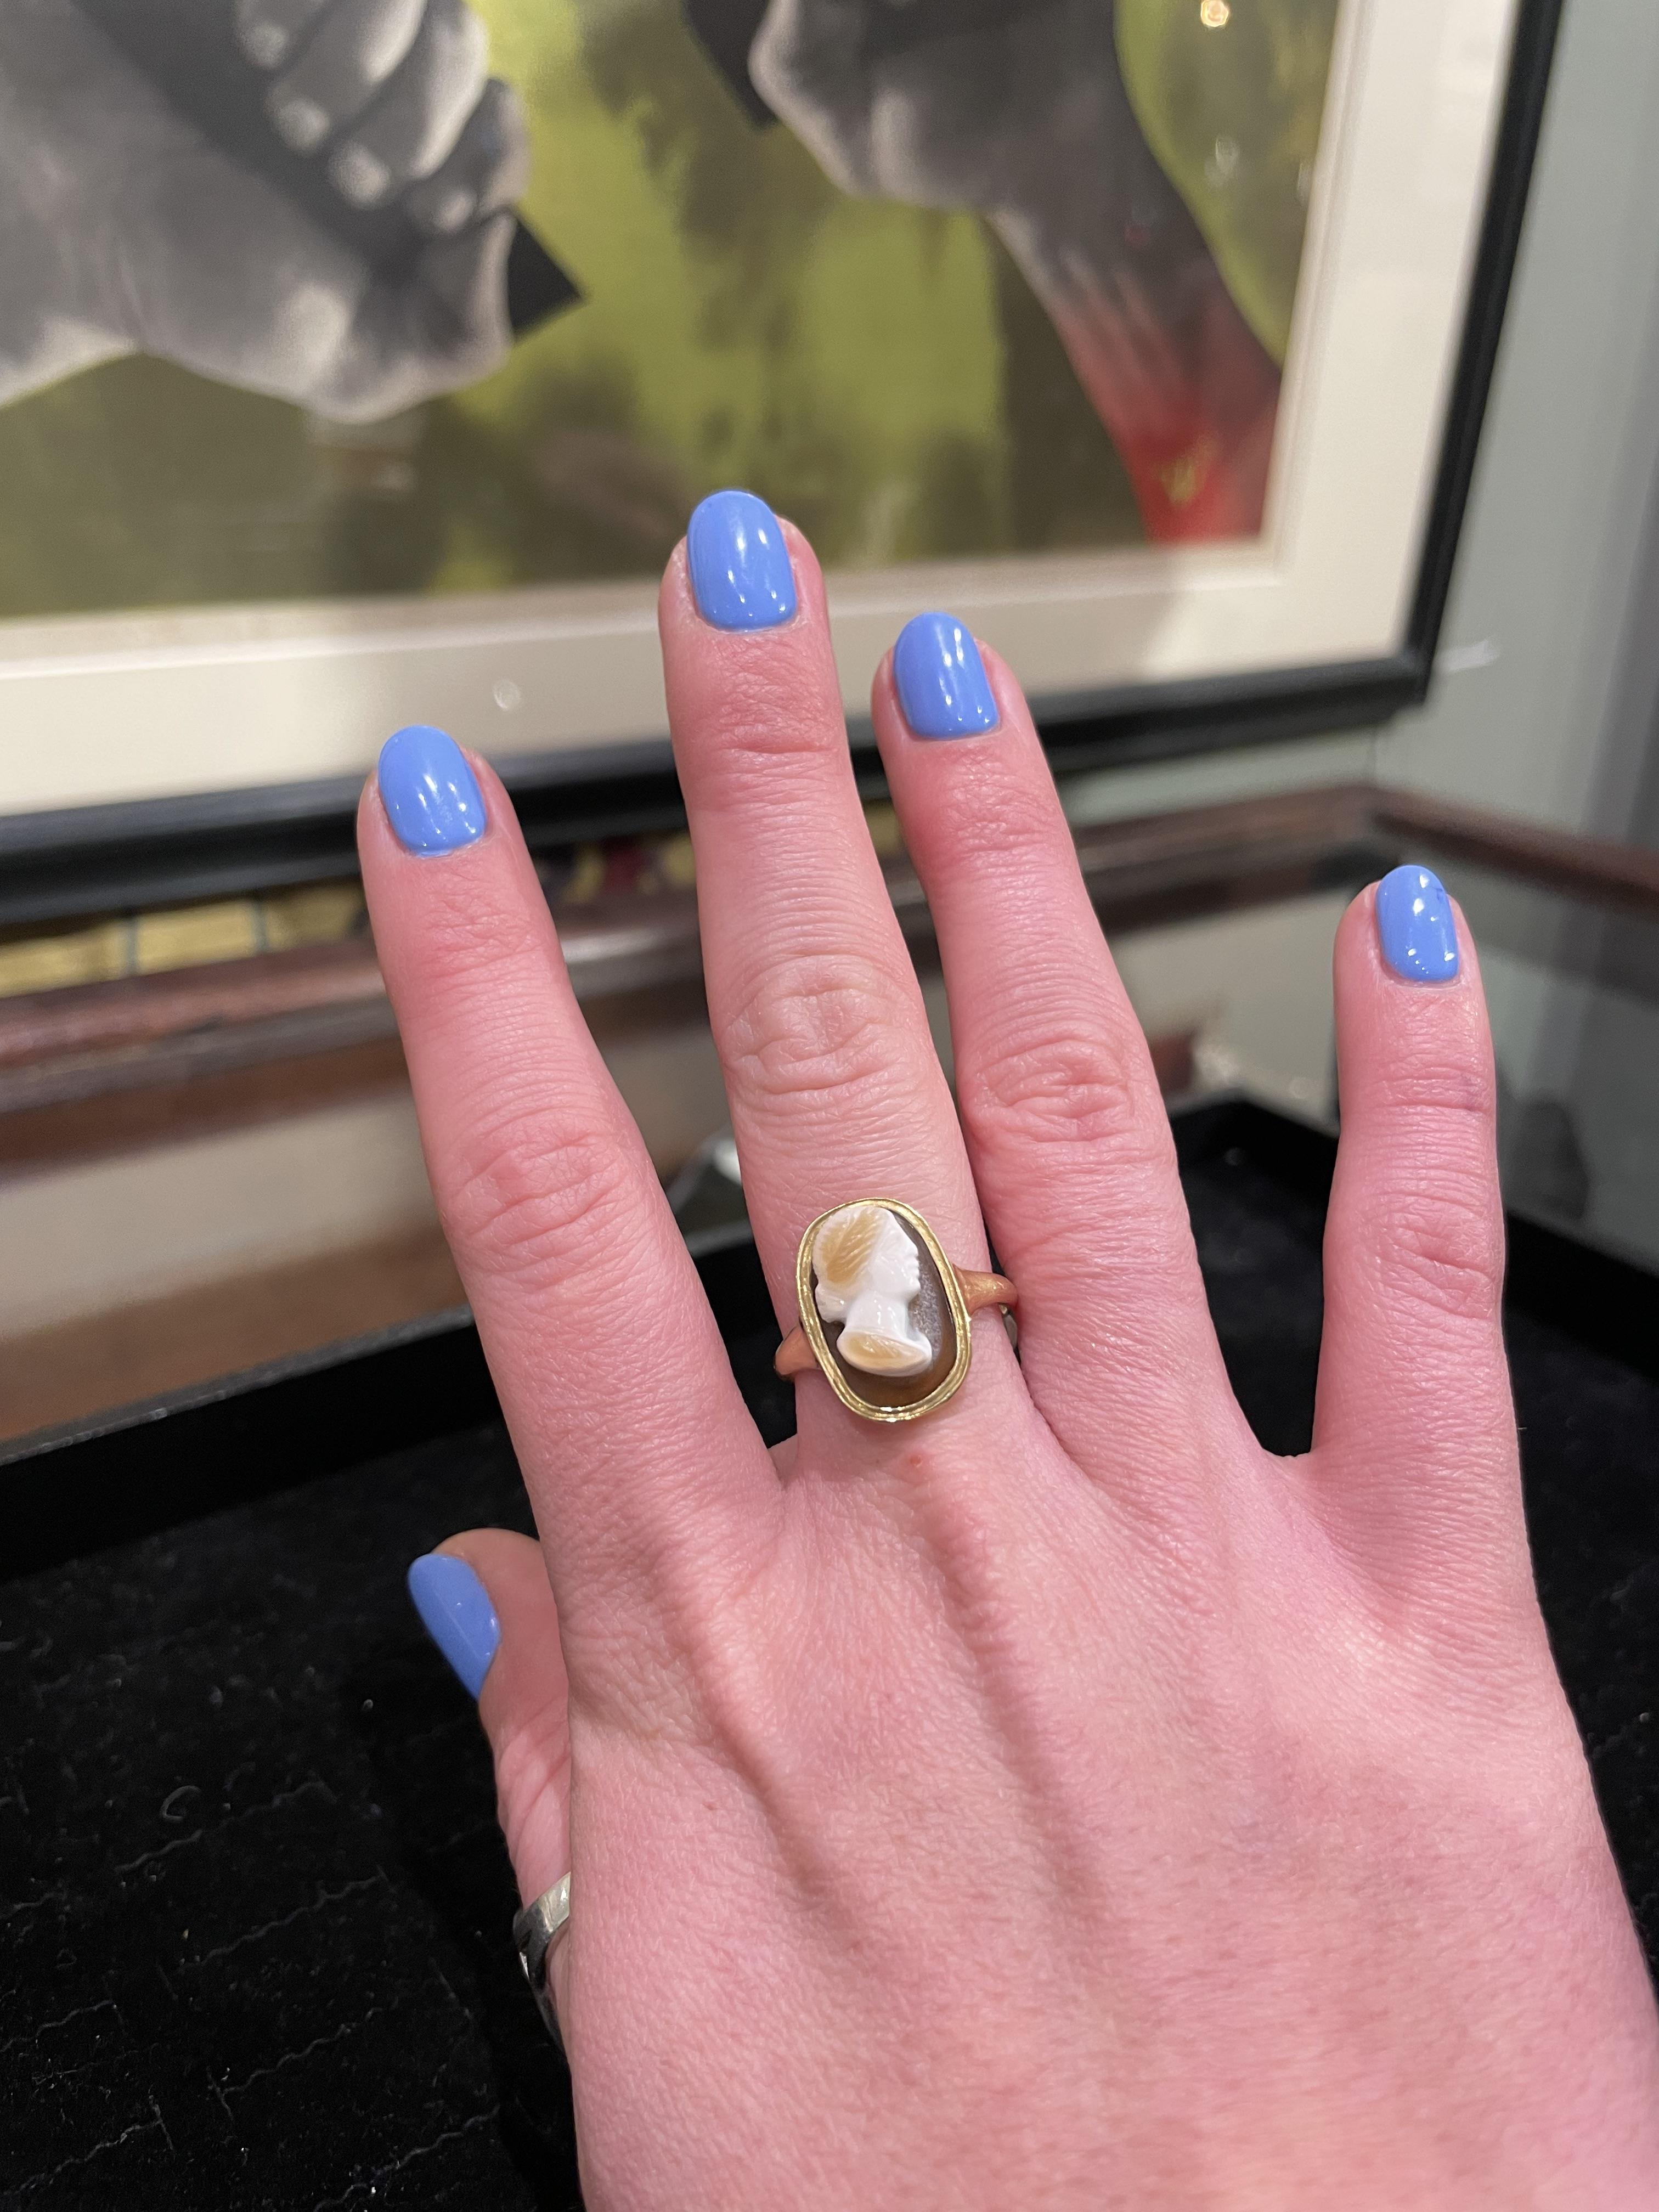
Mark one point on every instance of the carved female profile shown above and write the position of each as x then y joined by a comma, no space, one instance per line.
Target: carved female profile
868,1273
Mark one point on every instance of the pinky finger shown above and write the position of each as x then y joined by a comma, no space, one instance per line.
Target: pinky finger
1414,1435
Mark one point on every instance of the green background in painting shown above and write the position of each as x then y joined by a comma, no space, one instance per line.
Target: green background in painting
882,374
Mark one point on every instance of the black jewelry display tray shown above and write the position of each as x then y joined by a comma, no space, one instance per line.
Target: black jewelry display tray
254,1911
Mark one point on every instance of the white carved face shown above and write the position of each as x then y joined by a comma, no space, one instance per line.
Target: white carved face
868,1271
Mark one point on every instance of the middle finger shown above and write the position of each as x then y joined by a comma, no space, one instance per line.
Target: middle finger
836,1090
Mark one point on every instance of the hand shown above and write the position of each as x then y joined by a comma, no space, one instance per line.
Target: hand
1020,111
122,229
1060,1800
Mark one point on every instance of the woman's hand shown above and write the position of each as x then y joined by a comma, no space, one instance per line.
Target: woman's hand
1060,1800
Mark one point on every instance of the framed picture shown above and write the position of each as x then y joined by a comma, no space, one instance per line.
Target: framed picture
362,359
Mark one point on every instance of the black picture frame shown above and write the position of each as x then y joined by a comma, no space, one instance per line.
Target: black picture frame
84,860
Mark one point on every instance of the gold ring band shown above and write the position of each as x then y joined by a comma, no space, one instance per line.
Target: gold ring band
885,1316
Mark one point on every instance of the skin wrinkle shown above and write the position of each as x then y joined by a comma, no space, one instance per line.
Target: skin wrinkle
1052,990
1457,1095
534,1194
760,679
997,826
1068,1088
1364,1304
755,758
818,1033
541,1200
1449,1243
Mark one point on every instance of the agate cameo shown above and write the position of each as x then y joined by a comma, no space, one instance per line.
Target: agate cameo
882,1310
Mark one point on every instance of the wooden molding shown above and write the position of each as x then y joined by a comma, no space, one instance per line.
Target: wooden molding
190,1028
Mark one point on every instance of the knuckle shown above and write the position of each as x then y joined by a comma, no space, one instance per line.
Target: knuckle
1445,1248
819,1027
1023,826
535,1197
1079,1086
764,721
1458,1091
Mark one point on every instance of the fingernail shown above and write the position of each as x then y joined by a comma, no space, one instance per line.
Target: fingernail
431,795
455,1607
740,571
1415,926
941,679
359,176
301,122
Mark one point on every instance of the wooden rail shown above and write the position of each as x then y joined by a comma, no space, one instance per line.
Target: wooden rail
68,1048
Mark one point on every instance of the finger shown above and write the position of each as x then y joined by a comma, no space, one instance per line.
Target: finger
486,1602
807,62
1070,1146
649,1483
1414,1433
417,118
488,169
267,30
445,327
836,1090
350,53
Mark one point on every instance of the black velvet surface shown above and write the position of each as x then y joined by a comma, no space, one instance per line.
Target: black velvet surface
253,1908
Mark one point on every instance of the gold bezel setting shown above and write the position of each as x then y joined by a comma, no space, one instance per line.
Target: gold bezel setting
830,1366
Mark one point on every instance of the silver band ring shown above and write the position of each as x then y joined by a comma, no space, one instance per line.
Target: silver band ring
538,1931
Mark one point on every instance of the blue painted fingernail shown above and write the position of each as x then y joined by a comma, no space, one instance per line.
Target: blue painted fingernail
1415,926
740,571
459,1616
431,796
941,679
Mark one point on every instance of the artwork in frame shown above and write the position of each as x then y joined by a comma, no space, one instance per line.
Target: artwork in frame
362,359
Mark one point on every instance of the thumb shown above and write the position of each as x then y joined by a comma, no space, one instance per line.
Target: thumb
485,1601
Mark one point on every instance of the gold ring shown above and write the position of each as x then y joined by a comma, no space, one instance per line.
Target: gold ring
884,1315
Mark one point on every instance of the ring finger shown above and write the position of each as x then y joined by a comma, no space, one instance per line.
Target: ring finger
836,1090
1071,1146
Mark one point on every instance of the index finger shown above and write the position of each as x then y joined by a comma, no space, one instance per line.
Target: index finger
641,1462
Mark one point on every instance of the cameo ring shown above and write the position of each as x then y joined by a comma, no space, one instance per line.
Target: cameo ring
884,1315
538,1931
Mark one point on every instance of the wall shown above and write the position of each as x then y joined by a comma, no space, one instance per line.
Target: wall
1545,703
1528,712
